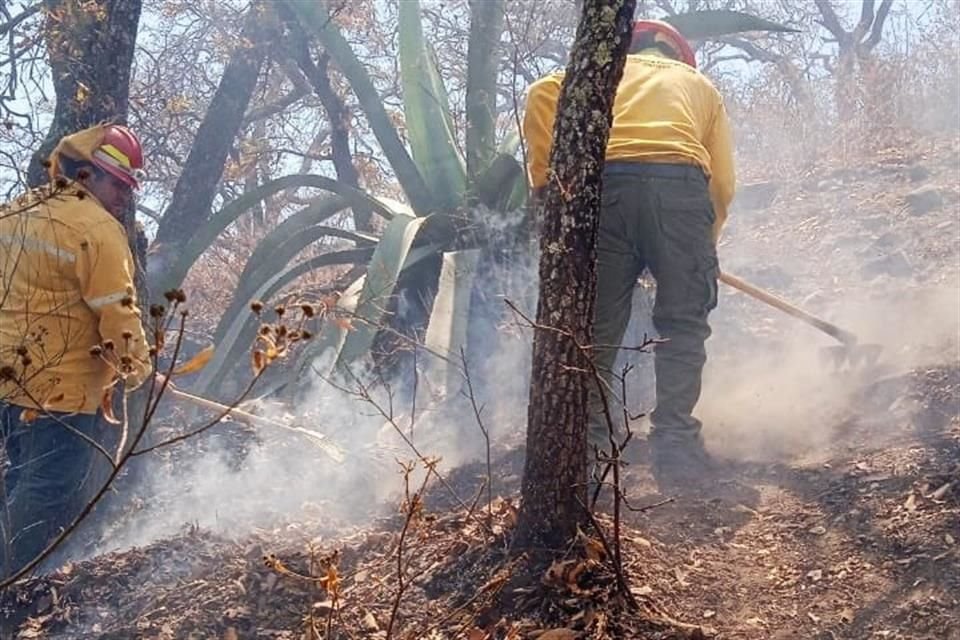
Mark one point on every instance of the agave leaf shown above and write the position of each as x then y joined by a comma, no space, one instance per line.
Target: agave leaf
240,329
714,23
450,319
510,143
173,276
315,18
496,185
388,260
326,354
427,113
283,243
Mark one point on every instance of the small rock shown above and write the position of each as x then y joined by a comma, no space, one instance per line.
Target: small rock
816,575
949,539
918,173
818,530
757,195
923,201
895,264
709,613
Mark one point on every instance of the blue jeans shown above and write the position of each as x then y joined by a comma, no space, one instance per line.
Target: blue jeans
44,472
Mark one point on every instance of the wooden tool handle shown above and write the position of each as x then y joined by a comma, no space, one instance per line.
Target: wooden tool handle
772,300
318,438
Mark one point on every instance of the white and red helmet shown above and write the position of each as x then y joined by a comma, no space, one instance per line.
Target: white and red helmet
120,154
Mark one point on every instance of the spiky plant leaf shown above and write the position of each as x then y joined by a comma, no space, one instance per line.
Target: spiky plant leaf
172,277
315,18
240,330
714,23
449,320
426,111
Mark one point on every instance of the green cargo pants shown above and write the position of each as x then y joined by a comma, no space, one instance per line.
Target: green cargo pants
657,217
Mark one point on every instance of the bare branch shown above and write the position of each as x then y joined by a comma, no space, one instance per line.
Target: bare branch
877,31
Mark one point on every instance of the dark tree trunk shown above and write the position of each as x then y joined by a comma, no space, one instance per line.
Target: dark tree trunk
554,476
197,185
91,47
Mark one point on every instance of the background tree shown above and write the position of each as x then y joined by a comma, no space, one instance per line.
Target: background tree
554,478
90,45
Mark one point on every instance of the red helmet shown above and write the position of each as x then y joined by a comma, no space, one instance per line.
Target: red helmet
668,35
120,154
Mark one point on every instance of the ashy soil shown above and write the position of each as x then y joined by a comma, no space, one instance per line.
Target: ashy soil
841,519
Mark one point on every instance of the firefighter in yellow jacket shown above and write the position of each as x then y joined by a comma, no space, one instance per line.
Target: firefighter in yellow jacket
69,327
667,184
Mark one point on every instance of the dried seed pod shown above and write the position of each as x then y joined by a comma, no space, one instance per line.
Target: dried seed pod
256,306
308,310
96,351
127,335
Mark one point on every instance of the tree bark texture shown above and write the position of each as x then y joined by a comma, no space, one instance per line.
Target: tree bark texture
90,46
556,456
195,190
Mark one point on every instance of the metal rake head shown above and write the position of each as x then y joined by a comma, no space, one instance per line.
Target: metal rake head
846,357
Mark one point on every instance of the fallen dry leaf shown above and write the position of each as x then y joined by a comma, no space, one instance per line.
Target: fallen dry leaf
370,624
196,363
258,361
558,634
106,406
911,503
942,491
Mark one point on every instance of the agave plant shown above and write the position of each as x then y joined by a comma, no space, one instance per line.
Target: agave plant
439,183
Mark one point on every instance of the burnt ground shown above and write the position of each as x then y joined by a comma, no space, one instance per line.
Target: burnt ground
854,536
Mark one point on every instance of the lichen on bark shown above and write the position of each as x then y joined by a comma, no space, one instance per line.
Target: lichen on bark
555,471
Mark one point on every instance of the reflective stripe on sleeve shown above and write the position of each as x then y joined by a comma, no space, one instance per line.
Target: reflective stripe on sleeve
36,244
102,301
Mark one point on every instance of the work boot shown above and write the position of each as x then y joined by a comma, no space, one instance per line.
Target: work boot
684,467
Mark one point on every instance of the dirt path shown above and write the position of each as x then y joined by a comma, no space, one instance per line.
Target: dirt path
865,544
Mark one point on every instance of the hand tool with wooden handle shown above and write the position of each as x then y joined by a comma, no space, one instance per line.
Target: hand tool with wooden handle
332,450
850,351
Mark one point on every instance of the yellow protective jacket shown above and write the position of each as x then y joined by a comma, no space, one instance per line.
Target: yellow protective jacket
665,111
66,286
